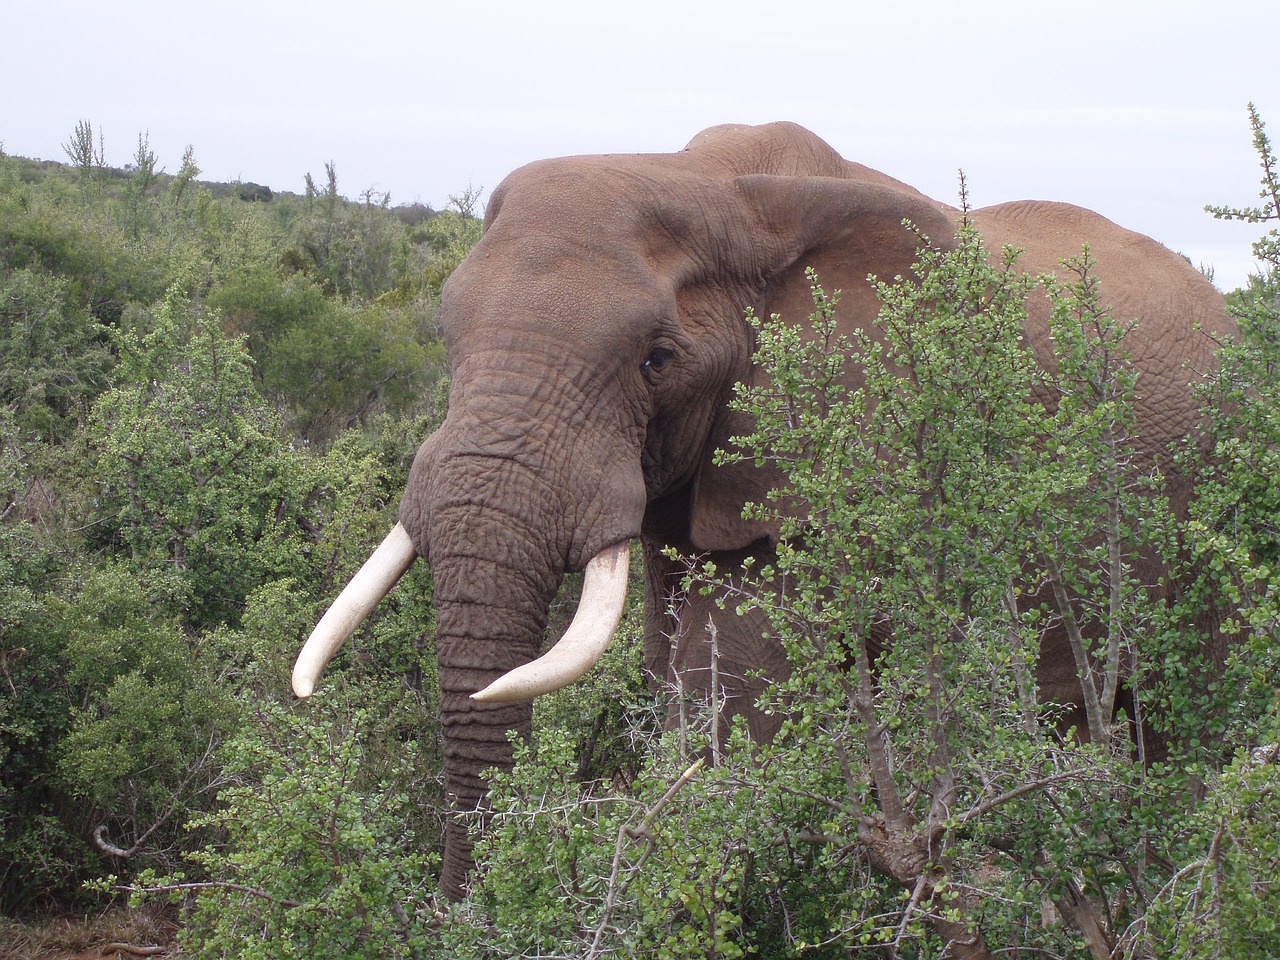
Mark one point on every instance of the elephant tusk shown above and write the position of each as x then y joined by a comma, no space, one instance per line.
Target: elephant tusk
372,582
604,593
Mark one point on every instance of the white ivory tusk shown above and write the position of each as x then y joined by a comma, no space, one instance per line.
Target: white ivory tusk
604,593
372,582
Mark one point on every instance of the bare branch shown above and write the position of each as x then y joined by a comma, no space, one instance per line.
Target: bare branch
117,947
982,809
1098,728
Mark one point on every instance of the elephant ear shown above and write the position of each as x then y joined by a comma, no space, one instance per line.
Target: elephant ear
846,230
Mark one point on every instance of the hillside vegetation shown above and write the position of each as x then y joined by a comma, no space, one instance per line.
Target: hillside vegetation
210,395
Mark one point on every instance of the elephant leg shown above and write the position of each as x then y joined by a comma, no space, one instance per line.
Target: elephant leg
701,655
663,597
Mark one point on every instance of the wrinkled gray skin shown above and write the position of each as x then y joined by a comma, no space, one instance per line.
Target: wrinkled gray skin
594,336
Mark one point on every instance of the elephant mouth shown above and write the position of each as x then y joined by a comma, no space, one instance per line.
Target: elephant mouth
604,592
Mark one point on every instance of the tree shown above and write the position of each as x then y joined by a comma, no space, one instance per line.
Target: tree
351,249
41,861
88,159
315,839
331,365
186,174
192,473
467,201
53,356
1222,901
925,495
165,532
148,711
140,183
99,269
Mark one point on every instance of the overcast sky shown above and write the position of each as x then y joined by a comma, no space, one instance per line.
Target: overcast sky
1136,109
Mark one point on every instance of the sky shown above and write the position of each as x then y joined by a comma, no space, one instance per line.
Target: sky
1136,109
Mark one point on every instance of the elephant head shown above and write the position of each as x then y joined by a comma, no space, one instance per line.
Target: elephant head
594,337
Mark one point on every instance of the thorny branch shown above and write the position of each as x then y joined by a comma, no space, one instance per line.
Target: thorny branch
643,831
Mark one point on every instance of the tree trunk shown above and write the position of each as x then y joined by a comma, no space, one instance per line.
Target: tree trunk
904,855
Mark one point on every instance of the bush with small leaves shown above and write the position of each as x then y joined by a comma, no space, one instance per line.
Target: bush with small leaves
918,798
311,842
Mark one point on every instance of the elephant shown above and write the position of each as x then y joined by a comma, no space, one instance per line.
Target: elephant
594,338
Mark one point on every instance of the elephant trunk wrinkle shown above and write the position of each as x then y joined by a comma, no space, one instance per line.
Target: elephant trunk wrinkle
495,576
496,568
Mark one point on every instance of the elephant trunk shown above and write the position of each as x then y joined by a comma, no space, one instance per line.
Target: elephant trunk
499,534
493,589
604,594
502,500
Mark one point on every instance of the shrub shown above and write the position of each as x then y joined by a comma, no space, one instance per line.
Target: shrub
313,840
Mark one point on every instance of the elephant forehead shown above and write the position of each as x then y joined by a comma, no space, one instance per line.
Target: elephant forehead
535,285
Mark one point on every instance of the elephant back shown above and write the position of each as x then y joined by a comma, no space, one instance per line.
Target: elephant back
780,149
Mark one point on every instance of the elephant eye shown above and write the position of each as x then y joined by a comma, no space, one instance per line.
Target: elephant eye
657,359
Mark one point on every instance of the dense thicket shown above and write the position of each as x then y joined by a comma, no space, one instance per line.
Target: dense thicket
209,397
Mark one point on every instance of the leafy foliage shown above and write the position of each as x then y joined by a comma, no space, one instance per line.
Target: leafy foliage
200,442
936,726
53,356
314,838
1221,900
187,463
210,396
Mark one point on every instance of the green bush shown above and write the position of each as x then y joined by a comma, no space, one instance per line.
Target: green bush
162,557
41,861
976,822
167,536
313,836
54,357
